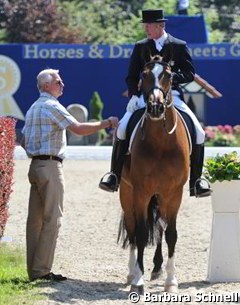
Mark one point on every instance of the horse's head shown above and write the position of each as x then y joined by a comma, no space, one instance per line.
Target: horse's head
156,87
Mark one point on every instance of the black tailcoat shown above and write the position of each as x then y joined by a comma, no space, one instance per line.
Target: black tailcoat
174,51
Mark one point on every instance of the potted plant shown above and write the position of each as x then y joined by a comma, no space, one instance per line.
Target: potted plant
223,172
222,167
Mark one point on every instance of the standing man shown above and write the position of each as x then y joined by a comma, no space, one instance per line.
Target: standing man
44,139
174,51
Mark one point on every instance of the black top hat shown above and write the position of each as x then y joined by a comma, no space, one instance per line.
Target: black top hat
152,16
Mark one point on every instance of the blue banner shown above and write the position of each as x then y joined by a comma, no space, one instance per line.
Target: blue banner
215,51
103,68
61,51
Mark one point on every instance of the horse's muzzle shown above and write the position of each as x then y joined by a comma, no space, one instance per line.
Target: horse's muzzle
155,110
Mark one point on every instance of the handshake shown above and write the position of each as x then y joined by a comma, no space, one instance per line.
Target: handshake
135,103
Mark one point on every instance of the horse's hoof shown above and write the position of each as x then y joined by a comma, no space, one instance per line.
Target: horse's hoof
129,279
171,288
138,289
156,275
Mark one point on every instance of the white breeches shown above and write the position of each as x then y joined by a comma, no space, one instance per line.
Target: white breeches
200,134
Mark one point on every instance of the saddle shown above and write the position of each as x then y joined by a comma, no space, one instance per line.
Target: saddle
134,119
137,115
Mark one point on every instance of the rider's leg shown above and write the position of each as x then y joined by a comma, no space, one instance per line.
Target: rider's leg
120,148
197,187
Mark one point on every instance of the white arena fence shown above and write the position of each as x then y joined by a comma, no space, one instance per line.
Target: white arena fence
104,152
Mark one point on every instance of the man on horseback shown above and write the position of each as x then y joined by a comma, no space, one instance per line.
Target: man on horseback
175,52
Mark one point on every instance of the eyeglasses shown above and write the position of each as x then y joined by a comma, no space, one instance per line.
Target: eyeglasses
59,82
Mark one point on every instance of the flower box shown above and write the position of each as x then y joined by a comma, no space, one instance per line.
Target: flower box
224,255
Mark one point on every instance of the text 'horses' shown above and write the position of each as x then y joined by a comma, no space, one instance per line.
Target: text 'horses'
153,177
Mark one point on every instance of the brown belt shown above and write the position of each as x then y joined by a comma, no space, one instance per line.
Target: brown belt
47,157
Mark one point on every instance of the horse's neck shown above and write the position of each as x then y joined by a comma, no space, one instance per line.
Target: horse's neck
160,129
163,125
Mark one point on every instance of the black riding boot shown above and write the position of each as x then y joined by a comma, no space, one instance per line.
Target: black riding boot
198,187
120,148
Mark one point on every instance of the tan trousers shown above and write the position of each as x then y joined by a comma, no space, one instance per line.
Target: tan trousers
44,214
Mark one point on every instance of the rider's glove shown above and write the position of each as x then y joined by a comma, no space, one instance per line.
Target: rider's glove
134,104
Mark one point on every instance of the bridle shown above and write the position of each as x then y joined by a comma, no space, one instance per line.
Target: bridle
155,110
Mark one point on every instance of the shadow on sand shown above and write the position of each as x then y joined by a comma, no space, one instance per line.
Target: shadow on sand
71,290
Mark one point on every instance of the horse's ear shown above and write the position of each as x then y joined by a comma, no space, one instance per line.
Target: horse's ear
168,68
161,58
152,58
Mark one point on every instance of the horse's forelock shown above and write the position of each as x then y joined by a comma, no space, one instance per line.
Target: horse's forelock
156,58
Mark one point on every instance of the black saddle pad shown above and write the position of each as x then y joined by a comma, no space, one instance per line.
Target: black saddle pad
134,119
136,116
190,125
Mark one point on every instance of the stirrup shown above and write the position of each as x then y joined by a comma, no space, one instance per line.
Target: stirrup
110,184
203,194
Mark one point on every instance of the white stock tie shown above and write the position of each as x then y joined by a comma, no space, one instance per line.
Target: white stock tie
158,46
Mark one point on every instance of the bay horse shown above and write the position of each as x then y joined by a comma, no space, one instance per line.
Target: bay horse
153,177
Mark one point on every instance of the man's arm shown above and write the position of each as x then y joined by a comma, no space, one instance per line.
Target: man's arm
92,127
186,71
134,71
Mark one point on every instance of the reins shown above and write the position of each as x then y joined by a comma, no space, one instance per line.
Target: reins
145,115
174,126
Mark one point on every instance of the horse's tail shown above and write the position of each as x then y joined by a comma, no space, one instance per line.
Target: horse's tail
122,233
153,216
152,225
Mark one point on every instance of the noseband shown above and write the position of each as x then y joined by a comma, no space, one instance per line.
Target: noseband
156,107
156,110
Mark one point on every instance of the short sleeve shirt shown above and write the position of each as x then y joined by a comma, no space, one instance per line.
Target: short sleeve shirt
45,127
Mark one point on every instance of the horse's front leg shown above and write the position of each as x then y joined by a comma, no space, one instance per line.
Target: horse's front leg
137,284
158,258
131,264
171,283
130,226
159,224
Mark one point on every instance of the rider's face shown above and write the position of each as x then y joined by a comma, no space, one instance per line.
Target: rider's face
154,30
